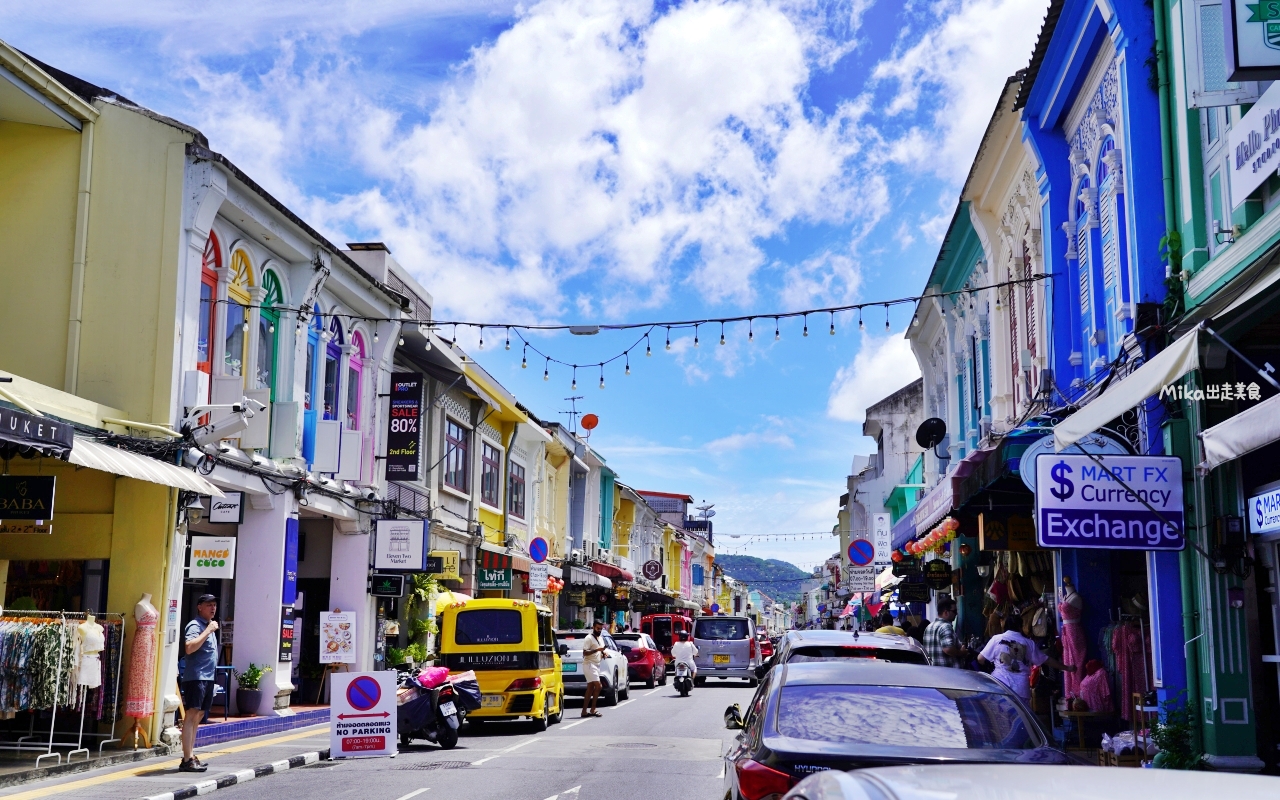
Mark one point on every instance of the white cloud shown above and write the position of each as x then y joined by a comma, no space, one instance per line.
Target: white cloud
741,441
882,366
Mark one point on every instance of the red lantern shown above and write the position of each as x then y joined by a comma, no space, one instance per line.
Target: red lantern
965,550
895,556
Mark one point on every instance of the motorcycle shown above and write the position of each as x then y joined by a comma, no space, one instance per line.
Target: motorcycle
684,679
434,714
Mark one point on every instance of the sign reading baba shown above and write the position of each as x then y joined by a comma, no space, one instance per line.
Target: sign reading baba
1114,502
212,557
26,497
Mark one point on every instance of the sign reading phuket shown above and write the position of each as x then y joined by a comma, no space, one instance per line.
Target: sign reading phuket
1082,504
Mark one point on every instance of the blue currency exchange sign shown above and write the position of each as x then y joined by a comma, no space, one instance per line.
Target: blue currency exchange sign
1081,503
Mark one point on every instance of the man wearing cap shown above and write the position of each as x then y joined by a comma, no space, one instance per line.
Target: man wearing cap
198,674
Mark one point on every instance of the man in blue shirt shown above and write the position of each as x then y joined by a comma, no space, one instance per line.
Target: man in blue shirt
198,676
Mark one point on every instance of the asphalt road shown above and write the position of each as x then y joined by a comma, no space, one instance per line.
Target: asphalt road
657,745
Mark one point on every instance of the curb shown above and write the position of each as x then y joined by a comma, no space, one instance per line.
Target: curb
240,776
64,769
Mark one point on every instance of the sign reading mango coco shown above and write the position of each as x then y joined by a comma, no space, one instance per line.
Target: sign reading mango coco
1109,502
213,557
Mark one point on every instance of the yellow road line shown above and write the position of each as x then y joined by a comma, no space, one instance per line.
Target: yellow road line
147,766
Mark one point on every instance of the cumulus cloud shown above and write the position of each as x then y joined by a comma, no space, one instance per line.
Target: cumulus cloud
882,366
741,441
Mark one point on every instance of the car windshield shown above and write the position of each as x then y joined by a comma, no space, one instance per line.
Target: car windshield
488,626
834,653
908,716
720,629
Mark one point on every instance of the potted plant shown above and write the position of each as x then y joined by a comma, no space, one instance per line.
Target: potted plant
248,695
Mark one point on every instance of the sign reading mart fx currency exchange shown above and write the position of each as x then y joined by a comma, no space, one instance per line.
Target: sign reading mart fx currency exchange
1122,503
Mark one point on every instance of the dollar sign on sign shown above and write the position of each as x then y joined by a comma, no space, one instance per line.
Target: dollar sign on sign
1065,487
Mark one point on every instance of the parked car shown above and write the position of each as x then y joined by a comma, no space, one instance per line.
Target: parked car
727,648
645,661
766,645
841,715
838,645
664,628
613,668
1028,782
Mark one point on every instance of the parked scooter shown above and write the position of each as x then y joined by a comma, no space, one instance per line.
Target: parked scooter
684,679
434,713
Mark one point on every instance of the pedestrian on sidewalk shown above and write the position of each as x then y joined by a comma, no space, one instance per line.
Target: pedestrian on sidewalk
198,674
940,637
592,655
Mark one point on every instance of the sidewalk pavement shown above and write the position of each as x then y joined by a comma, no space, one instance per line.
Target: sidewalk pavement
158,776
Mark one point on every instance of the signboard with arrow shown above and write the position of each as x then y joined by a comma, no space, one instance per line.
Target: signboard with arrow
362,717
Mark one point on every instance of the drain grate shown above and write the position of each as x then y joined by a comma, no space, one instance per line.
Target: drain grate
439,765
631,745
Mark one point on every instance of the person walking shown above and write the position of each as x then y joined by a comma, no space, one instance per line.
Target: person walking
940,636
1013,654
887,625
592,655
198,674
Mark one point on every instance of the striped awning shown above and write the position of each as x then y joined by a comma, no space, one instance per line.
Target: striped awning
104,458
490,560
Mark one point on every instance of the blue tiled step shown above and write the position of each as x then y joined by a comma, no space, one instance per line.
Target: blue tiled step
256,726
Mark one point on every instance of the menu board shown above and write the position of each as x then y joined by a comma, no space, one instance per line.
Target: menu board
337,638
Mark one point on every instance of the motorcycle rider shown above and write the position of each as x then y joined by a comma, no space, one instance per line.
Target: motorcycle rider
685,651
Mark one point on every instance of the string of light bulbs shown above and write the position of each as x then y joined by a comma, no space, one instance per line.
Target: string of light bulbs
425,327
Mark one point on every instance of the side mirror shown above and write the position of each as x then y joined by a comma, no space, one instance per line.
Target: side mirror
733,717
563,650
762,670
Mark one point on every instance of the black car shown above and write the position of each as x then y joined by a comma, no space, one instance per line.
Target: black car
813,716
837,645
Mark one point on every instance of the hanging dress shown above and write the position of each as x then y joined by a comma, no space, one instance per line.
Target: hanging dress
139,700
1074,648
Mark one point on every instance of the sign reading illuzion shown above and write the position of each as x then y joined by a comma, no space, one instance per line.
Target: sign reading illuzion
404,434
1113,502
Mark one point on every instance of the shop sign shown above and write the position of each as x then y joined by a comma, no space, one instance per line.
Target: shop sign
362,714
933,506
228,509
1252,39
1264,512
1081,503
31,431
290,589
861,579
26,497
494,579
652,569
286,634
337,637
538,574
578,598
1253,146
385,584
909,566
1097,444
447,566
937,574
404,433
400,544
913,592
212,557
1013,532
882,536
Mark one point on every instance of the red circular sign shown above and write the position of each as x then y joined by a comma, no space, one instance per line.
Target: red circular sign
363,693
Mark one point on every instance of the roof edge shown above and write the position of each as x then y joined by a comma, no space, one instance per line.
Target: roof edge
38,77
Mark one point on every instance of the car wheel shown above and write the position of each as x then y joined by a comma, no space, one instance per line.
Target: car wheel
404,740
611,697
649,683
541,721
662,681
555,718
753,682
626,689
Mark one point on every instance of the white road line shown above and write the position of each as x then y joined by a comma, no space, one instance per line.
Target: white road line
623,703
723,767
572,725
574,790
502,751
653,691
414,793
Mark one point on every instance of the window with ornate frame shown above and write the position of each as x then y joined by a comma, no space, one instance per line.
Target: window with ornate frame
236,325
355,380
457,444
490,474
268,324
310,382
208,303
332,378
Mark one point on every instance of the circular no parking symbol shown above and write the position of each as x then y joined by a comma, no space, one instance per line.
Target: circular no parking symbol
363,693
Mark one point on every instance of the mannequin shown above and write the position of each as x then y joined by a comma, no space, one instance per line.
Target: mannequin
92,642
140,697
1074,646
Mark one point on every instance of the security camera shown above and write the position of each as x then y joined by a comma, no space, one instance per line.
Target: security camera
369,494
219,429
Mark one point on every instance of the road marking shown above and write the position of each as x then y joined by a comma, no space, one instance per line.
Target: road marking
572,725
414,793
148,766
723,767
565,793
623,703
503,751
653,691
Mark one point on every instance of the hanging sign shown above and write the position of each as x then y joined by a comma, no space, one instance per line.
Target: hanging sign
400,544
290,588
446,568
26,497
1252,39
286,634
861,579
212,557
577,597
362,714
1264,512
652,569
907,567
1095,443
538,574
1081,503
1253,147
882,537
337,637
385,584
913,592
494,579
404,433
227,509
937,574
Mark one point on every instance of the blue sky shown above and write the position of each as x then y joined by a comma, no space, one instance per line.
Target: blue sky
613,161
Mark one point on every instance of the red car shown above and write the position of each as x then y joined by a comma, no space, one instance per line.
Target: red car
766,646
644,659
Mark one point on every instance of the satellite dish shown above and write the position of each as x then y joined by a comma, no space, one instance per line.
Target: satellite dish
710,514
931,433
590,421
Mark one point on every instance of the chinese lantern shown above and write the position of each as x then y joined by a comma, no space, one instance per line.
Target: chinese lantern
895,556
965,550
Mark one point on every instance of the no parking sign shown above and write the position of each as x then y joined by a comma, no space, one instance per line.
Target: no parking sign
362,714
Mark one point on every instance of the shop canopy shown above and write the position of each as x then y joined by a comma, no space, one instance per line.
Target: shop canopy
1245,432
610,571
94,455
1169,365
585,577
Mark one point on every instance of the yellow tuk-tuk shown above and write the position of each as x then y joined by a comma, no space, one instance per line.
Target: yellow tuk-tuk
512,648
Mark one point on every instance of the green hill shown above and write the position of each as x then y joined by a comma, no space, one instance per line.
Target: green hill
778,579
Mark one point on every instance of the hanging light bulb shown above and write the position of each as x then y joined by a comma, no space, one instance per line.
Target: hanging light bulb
647,352
668,338
245,326
482,338
806,324
861,327
546,371
721,334
402,341
508,339
751,334
524,357
375,335
453,343
833,323
886,316
777,332
271,328
602,376
695,335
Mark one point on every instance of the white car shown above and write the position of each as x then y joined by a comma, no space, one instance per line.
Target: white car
1028,782
613,668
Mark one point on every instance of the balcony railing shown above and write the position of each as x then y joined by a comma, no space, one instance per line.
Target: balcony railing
409,497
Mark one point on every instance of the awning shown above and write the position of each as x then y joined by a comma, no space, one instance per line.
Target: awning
1168,366
91,454
492,560
610,571
1245,432
585,577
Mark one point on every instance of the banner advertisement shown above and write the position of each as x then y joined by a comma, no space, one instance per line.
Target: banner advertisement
212,557
404,433
882,536
27,496
400,544
362,714
1113,502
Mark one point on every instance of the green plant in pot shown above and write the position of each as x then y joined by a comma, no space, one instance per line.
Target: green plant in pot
248,695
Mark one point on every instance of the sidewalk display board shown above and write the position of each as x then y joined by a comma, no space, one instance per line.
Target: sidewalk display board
362,714
337,638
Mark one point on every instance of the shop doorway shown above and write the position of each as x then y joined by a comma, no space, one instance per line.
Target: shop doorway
57,585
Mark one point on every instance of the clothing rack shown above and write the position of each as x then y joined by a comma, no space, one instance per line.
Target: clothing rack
62,617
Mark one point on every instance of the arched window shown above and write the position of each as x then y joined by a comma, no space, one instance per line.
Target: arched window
237,317
208,302
355,383
1107,219
310,392
268,324
1082,249
332,362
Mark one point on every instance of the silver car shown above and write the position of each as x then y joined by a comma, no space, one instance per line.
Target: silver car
727,648
614,680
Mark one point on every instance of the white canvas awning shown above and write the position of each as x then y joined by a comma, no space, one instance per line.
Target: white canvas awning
91,454
1168,366
1245,432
